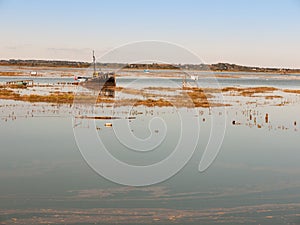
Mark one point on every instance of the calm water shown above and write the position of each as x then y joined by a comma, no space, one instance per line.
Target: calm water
243,79
255,178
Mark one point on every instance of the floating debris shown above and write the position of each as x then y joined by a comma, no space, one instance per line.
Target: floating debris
235,123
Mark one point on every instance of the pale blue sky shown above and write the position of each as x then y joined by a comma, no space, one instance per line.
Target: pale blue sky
253,32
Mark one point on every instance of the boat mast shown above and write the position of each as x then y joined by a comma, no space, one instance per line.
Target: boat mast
94,64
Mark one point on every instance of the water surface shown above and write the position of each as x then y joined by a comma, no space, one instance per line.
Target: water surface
254,179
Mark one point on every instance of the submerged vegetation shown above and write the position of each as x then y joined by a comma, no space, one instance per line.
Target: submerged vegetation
150,96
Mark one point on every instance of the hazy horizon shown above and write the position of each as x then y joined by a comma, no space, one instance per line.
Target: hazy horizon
251,33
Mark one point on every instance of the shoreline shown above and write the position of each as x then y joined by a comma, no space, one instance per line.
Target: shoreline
219,67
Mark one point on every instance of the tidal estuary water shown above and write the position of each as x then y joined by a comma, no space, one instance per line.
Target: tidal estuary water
46,176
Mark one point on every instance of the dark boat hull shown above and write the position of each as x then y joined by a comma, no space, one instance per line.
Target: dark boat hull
101,81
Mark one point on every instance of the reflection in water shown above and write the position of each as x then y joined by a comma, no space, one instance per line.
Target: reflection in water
103,90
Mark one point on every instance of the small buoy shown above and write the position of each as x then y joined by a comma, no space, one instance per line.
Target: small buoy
233,122
108,124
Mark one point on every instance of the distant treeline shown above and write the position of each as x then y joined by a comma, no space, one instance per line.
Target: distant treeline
239,68
47,63
202,67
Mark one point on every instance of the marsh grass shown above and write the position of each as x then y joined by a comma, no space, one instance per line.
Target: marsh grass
183,97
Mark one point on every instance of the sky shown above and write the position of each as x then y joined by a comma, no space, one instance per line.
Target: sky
248,32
